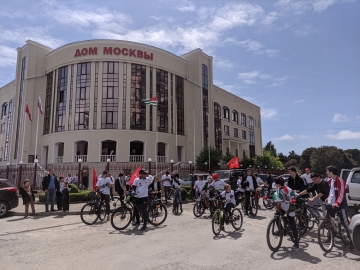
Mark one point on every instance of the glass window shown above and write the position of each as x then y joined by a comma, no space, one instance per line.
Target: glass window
236,134
226,130
217,127
61,99
226,113
162,97
235,117
82,99
243,120
4,110
179,82
205,94
137,94
244,134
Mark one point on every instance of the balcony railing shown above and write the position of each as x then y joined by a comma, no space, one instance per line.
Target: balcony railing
104,158
82,157
136,158
161,158
59,159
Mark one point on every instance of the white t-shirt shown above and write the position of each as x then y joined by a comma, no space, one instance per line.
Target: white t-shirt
218,185
239,186
259,180
104,182
331,198
68,179
199,184
177,184
166,180
142,187
127,180
307,178
251,183
229,196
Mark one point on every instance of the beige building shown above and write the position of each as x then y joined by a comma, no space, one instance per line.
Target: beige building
92,96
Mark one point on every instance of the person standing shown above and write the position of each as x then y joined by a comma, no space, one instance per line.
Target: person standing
120,186
176,184
65,197
69,178
269,181
127,181
296,183
59,195
28,197
166,182
155,186
309,181
141,188
104,184
50,184
199,184
250,185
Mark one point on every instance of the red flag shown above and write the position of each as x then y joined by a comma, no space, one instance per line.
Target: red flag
27,110
135,175
234,163
153,99
94,179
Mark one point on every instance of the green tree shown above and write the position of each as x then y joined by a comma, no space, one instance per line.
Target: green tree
270,147
246,162
355,155
226,158
293,155
291,162
268,160
283,158
203,157
305,157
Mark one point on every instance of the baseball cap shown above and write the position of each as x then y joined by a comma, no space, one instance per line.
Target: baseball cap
307,169
142,172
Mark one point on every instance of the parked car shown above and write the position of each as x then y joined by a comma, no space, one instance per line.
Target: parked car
355,231
9,198
188,180
285,177
230,176
352,190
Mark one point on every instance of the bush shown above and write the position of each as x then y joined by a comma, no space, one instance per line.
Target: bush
74,188
80,196
184,194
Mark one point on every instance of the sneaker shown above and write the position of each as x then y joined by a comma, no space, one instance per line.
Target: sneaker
143,228
47,210
351,247
222,228
295,247
313,219
246,214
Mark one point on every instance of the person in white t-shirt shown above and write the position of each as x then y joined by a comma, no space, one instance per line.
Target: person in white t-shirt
218,184
199,185
176,184
104,185
166,182
229,196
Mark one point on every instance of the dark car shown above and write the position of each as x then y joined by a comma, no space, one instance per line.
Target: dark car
9,198
189,180
230,176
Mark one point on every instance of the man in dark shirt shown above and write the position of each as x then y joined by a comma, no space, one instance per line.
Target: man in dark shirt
269,181
321,187
295,182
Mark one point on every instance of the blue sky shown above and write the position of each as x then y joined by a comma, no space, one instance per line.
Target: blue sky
298,60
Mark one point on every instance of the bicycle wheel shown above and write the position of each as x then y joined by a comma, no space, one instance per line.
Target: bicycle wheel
253,209
121,218
268,204
216,223
88,214
311,223
176,207
274,235
170,196
301,224
102,213
237,219
325,236
116,203
91,196
157,214
199,209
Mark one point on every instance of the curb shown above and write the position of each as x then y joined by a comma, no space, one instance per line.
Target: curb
44,214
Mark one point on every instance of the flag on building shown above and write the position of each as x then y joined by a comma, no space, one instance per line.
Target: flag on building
40,105
134,175
94,181
234,163
27,110
151,101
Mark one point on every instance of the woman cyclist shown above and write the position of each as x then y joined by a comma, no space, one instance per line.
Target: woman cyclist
176,184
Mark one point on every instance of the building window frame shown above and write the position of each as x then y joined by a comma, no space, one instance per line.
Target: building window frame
226,130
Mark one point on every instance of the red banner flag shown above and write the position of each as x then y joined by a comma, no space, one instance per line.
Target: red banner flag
27,110
134,175
234,163
94,181
153,99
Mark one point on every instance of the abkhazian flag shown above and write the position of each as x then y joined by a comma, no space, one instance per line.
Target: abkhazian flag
151,101
27,110
40,105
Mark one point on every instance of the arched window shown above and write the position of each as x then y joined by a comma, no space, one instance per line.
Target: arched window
235,117
226,115
243,120
4,110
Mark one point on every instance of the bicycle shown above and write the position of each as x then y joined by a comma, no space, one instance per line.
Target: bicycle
115,201
312,213
94,210
277,228
204,203
123,215
236,218
253,209
176,202
328,229
268,201
170,195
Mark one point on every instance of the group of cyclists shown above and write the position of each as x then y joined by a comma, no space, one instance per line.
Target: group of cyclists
329,193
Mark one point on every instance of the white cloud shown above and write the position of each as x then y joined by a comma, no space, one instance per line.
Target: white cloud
8,56
344,135
299,101
224,64
298,7
228,87
285,137
271,53
268,114
249,75
188,7
250,45
249,81
304,31
278,81
338,118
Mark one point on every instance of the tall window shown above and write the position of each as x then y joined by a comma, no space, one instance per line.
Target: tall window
82,97
226,116
243,120
124,96
217,127
226,130
96,94
162,97
179,82
110,95
251,137
171,103
8,131
236,132
71,94
138,93
47,112
61,99
235,117
4,110
205,93
243,134
20,108
151,95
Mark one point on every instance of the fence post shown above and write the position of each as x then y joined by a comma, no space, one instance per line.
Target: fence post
35,168
20,174
79,169
7,171
149,159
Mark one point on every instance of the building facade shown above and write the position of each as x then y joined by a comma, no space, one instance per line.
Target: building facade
92,96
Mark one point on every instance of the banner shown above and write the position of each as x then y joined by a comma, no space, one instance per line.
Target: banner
234,163
134,176
94,181
27,110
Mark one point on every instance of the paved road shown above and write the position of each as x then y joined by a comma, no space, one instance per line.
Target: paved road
182,242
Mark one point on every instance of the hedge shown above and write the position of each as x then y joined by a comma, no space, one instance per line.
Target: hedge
80,196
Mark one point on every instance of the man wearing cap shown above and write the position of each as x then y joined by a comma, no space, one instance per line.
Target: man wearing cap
141,188
166,182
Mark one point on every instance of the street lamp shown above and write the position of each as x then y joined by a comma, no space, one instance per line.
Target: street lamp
79,170
149,159
171,164
190,162
258,168
205,164
35,168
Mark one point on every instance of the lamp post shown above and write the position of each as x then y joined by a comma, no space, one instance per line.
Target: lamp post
108,165
20,173
172,165
149,159
258,168
265,169
35,168
7,170
220,164
206,165
79,170
190,162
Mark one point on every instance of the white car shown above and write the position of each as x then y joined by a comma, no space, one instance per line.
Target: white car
355,231
352,190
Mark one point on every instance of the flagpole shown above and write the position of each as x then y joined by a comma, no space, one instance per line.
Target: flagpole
156,144
23,135
37,129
